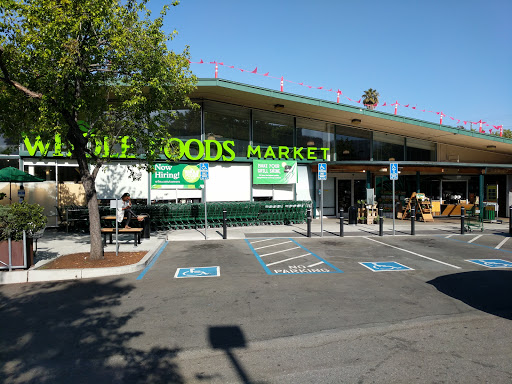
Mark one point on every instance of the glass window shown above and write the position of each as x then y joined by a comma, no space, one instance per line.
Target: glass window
420,150
12,162
352,144
227,122
314,133
69,174
388,147
272,129
45,172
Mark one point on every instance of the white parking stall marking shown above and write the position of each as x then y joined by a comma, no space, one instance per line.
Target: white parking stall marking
474,238
291,258
259,241
447,237
414,253
272,245
314,265
502,242
273,253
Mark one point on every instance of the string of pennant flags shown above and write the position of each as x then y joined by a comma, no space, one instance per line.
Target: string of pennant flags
489,128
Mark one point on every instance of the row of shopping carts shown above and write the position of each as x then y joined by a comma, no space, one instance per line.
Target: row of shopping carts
192,215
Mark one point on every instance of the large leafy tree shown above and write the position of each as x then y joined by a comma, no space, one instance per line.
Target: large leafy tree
89,71
370,98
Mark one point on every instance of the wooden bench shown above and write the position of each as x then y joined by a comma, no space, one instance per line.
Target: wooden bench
137,232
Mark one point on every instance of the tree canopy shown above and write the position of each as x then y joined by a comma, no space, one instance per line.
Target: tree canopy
370,98
89,69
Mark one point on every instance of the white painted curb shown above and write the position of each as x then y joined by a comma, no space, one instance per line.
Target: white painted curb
38,275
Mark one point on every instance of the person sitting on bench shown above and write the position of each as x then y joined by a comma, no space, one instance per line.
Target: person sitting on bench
126,209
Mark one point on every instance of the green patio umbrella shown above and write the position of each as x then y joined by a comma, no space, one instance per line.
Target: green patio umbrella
14,175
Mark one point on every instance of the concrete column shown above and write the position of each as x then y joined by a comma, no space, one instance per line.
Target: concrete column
481,196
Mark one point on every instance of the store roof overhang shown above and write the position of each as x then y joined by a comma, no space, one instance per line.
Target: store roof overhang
342,114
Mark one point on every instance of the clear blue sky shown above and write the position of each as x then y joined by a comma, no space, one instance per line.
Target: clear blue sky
452,56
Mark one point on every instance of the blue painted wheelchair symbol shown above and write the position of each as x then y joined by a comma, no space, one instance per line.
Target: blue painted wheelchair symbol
197,272
492,263
386,266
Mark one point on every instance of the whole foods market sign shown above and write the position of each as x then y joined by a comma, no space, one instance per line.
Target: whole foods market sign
274,172
193,150
168,176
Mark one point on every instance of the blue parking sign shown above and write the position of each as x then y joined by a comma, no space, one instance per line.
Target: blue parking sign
393,171
197,272
492,263
204,167
380,266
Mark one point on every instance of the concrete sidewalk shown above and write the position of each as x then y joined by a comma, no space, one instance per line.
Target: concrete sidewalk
331,227
54,244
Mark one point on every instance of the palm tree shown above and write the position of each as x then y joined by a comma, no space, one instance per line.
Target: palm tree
370,98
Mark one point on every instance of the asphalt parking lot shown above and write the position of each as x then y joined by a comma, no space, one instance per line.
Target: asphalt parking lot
283,310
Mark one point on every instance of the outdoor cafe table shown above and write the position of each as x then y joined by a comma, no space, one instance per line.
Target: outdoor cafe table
146,224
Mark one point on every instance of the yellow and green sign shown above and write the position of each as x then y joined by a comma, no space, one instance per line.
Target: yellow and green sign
274,172
182,176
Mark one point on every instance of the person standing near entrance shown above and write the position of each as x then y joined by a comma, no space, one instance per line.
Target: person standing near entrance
126,210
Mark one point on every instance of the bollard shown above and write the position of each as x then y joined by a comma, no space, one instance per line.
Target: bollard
308,213
462,217
413,219
224,224
510,221
341,223
381,222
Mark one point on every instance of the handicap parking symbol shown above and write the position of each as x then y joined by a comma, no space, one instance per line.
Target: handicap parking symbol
197,272
492,263
380,266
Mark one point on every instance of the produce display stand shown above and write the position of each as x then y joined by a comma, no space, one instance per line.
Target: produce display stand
422,206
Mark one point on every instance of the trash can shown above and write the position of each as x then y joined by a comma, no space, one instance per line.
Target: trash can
352,215
490,213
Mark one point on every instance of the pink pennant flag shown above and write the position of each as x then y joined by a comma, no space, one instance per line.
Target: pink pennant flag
349,98
301,83
451,118
490,130
320,88
423,110
465,122
243,70
413,107
201,62
330,90
213,62
406,105
231,66
255,70
221,63
358,101
384,104
266,74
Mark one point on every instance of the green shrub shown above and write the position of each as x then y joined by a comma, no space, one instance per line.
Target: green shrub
19,217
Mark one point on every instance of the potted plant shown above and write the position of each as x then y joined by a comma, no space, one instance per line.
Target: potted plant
14,219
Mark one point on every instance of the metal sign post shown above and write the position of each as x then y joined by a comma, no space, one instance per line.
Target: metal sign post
204,169
322,175
393,175
115,204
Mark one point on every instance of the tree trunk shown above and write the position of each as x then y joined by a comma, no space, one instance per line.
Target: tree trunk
96,252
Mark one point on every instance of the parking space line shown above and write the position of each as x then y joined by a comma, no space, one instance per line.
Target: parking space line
414,253
314,265
259,241
318,257
273,245
481,245
447,237
503,242
291,258
474,238
273,253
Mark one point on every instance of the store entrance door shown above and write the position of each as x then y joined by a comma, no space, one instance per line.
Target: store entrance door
349,192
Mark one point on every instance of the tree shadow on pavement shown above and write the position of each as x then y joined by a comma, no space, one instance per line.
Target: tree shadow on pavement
71,333
488,291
